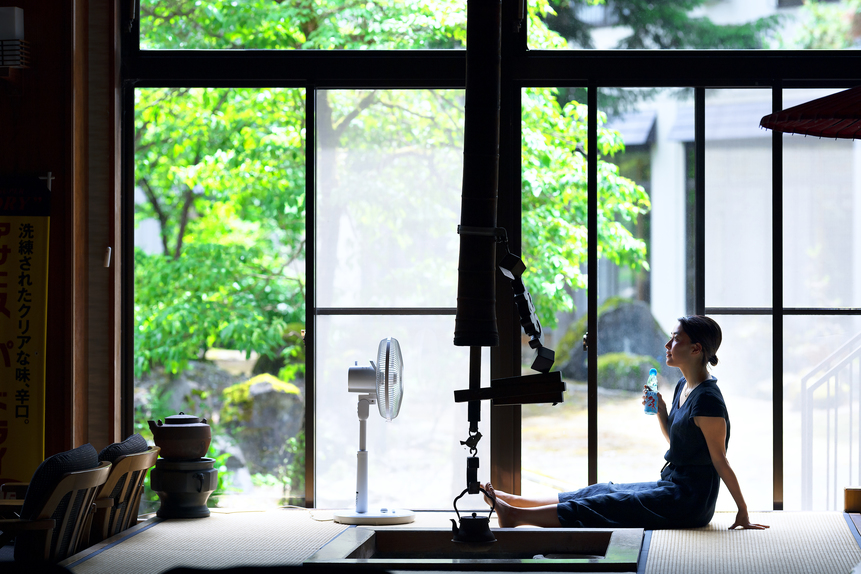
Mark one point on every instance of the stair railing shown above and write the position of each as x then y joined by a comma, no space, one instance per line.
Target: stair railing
839,374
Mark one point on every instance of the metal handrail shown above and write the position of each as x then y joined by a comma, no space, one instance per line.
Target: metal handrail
828,371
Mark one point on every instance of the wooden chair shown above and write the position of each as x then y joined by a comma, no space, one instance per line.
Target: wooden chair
52,517
118,500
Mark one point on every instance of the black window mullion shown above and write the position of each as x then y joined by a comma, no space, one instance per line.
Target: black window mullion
127,257
699,199
592,282
310,292
777,301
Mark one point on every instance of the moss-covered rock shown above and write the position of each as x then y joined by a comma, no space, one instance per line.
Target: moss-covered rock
624,326
624,371
263,414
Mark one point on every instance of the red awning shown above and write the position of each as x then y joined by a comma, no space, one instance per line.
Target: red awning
834,116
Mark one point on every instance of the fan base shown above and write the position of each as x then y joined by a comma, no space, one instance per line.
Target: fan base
376,517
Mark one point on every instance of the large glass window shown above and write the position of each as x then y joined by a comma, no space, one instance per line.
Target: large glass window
821,410
640,298
821,215
738,264
738,206
219,278
389,167
820,257
641,287
219,302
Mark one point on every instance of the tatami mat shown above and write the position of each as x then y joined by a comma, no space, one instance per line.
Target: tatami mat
796,543
222,540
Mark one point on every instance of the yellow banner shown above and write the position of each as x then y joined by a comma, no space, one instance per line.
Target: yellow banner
24,234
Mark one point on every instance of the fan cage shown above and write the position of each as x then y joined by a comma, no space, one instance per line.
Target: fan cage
390,390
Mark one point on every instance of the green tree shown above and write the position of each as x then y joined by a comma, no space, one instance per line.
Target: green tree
225,181
664,24
826,26
554,199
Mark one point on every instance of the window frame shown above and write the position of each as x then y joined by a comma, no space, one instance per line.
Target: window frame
521,68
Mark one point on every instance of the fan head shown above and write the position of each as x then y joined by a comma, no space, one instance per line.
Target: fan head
390,385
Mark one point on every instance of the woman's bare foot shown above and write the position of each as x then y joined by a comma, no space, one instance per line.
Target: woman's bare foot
518,501
511,499
503,510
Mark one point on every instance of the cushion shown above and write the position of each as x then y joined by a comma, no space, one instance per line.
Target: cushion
49,473
132,445
42,484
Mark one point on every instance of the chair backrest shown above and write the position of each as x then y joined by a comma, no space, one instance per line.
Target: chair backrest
118,500
68,504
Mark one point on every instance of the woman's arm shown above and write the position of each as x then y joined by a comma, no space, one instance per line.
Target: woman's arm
663,417
714,431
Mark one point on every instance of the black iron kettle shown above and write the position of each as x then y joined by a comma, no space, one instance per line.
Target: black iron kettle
472,529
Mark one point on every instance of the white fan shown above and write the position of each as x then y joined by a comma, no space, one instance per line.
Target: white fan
381,384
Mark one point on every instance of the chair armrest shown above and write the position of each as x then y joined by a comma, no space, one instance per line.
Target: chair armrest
17,488
9,525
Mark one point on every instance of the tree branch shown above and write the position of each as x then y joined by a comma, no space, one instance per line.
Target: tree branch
366,102
183,222
159,212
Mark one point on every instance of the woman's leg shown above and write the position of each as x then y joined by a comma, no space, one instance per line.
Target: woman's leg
519,501
510,516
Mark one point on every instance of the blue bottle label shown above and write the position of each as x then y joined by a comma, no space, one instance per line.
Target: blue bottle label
651,403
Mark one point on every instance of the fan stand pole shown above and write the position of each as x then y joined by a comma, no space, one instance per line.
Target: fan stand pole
361,515
362,456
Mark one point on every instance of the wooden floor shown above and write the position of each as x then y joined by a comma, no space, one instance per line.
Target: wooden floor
797,542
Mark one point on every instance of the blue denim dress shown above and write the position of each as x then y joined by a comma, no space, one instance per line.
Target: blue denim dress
686,494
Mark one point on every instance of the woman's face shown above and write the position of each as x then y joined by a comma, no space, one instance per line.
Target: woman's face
680,351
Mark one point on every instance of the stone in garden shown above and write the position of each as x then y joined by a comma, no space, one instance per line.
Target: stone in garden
630,340
263,413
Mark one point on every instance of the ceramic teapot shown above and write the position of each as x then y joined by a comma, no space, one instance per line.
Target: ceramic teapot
181,437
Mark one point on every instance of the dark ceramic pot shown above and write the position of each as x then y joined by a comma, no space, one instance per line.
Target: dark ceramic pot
181,437
183,487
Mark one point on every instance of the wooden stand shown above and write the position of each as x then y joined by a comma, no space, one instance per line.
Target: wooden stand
852,499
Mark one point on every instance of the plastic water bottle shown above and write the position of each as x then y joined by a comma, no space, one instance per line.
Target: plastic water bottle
652,393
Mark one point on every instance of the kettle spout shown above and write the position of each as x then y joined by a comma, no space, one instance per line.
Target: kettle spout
152,426
454,528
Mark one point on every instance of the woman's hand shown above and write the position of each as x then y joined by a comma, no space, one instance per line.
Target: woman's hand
742,520
662,406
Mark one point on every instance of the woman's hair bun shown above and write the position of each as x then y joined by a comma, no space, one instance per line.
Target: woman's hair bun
713,361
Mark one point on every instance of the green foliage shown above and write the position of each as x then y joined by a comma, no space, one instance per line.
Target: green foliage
293,483
624,370
662,24
291,477
826,26
211,296
222,172
225,477
304,24
554,201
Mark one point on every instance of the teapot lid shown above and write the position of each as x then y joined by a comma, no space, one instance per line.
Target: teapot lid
181,419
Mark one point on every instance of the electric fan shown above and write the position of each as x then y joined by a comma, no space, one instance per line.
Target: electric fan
381,384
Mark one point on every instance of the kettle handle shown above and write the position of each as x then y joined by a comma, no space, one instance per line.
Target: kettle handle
480,489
